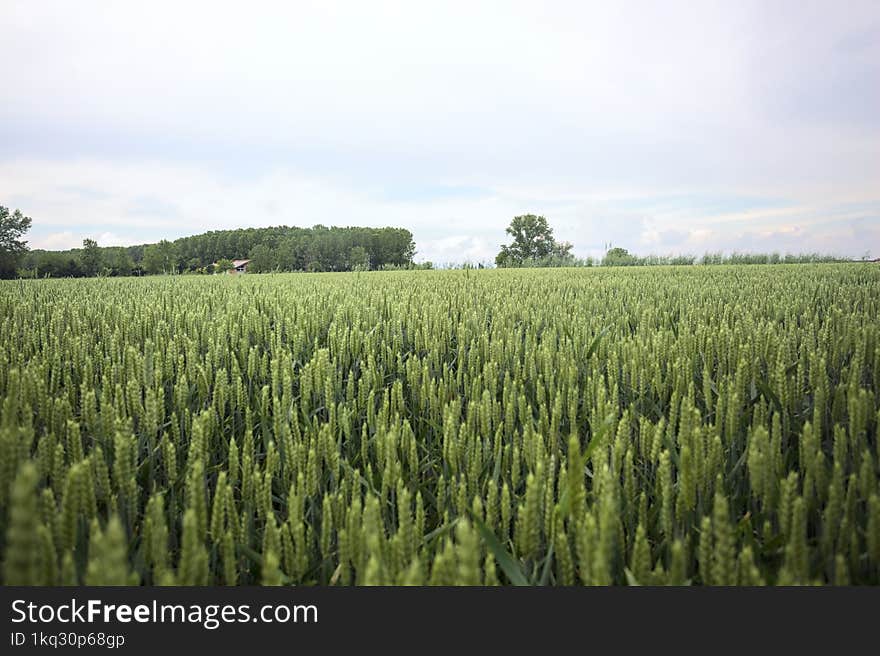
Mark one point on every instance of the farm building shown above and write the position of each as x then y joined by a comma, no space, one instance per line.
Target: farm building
238,266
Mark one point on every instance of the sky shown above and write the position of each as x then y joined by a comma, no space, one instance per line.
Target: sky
660,127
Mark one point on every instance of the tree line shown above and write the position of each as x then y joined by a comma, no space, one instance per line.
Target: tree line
533,245
280,248
319,248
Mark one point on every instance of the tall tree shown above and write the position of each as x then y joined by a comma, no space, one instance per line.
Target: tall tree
12,228
91,257
358,259
118,261
263,258
160,258
532,240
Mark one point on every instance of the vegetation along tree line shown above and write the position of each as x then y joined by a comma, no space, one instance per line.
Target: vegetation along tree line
315,249
534,245
279,248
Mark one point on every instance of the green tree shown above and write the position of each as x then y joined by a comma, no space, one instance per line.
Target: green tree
619,257
12,227
263,259
358,259
118,261
222,266
533,243
562,249
160,258
91,257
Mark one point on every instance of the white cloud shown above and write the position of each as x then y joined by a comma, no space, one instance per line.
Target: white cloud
452,229
111,239
458,249
616,120
67,239
56,241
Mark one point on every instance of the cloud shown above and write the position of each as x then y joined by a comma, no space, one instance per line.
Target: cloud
112,239
668,126
458,249
449,228
56,241
65,240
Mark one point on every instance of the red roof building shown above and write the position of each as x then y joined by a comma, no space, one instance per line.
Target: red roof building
239,266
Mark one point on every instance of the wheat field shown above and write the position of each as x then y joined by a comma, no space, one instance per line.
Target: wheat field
652,426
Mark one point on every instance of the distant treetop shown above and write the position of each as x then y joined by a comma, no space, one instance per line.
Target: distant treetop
532,244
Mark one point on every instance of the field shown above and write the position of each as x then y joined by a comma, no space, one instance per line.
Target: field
668,425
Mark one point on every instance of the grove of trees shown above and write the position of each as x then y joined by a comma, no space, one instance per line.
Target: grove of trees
319,248
281,248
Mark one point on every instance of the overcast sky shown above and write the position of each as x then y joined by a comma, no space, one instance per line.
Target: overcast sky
661,127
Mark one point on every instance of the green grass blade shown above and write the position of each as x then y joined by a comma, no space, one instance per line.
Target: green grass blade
504,558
